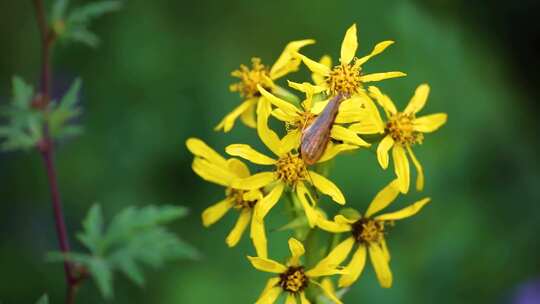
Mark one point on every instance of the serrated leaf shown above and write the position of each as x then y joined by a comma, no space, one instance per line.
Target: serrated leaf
22,93
84,36
93,229
102,275
43,300
132,271
58,10
93,10
69,99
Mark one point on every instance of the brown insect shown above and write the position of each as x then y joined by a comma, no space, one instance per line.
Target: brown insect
315,137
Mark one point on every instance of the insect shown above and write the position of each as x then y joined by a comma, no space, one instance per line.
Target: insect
315,137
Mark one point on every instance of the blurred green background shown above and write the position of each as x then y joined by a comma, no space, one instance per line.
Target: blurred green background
161,75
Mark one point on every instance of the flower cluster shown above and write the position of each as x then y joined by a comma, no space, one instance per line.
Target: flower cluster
339,112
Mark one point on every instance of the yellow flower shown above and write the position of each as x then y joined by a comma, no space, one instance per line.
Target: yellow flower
260,74
289,170
212,167
347,78
297,119
368,233
402,130
292,278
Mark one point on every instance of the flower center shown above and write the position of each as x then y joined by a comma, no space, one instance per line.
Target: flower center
344,79
290,168
368,230
250,78
304,121
237,196
294,279
400,128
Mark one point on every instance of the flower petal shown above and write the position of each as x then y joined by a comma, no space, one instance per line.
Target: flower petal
297,251
288,61
285,106
419,170
268,136
382,151
248,117
281,115
215,212
334,149
349,45
383,100
290,299
355,267
227,123
291,141
314,66
401,168
319,79
332,226
405,212
327,187
258,237
384,198
255,181
201,149
247,152
429,123
341,133
271,292
269,201
418,100
385,250
241,224
340,252
328,292
380,264
212,172
238,167
303,299
319,106
381,76
267,265
379,48
311,214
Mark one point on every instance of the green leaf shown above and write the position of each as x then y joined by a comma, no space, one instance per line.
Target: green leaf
64,111
92,235
93,10
103,276
58,10
22,93
83,36
43,300
71,96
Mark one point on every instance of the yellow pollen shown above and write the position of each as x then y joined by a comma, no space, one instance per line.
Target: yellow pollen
345,79
293,280
290,168
237,196
250,78
400,128
368,230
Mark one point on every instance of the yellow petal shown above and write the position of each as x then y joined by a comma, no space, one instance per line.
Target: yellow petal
381,76
324,269
297,250
405,212
429,123
328,292
382,151
418,100
290,299
341,133
327,187
269,201
268,137
270,296
303,299
334,149
258,237
355,267
385,250
379,48
419,170
311,214
215,212
238,167
281,115
212,172
285,106
365,127
401,168
383,100
248,117
306,87
332,226
372,112
288,61
350,110
384,198
349,45
239,228
267,265
227,122
201,149
319,79
270,292
247,152
380,264
340,252
291,141
255,181
314,66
